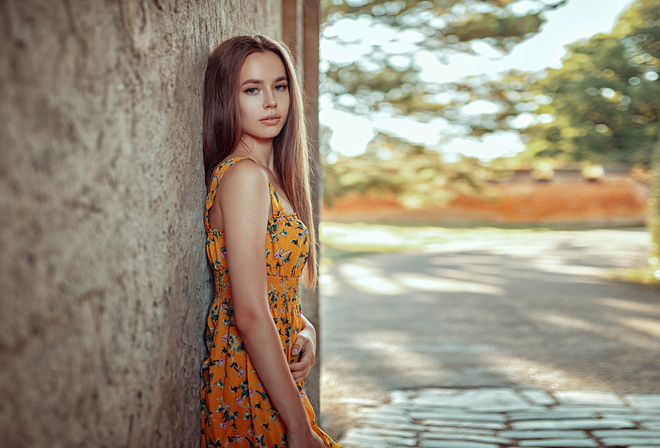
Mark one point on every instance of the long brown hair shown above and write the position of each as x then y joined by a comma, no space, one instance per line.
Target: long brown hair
222,128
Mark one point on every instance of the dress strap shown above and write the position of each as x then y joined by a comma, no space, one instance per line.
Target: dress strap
275,201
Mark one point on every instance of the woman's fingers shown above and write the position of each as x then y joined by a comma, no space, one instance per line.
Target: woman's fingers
299,371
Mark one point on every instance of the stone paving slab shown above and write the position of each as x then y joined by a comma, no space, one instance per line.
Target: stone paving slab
540,434
455,444
588,398
595,423
463,416
538,397
559,443
505,417
624,441
550,415
644,401
469,438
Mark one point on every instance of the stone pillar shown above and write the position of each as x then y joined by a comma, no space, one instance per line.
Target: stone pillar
301,20
104,284
292,27
311,29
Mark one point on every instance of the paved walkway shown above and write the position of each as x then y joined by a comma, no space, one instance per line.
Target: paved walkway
457,346
505,417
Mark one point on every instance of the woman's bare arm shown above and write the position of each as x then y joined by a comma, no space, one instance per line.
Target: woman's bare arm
245,202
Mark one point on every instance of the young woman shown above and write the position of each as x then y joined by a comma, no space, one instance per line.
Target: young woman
260,243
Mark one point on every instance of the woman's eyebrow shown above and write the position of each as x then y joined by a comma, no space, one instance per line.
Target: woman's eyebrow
259,81
253,81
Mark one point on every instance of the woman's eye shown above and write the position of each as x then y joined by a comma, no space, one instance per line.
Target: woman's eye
251,90
281,87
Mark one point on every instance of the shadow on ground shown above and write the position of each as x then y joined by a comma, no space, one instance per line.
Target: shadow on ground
535,312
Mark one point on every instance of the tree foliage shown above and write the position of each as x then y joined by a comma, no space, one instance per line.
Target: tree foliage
409,174
380,82
390,84
448,23
602,105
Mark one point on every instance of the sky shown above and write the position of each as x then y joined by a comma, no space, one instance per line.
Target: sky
578,19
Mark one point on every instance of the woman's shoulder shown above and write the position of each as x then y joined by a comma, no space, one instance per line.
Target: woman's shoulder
243,168
243,191
244,174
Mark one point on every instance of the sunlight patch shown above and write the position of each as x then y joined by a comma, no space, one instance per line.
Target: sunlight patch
428,283
369,280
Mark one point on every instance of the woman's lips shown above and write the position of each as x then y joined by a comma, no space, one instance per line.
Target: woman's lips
271,121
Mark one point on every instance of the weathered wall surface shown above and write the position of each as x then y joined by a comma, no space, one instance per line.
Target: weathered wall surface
104,285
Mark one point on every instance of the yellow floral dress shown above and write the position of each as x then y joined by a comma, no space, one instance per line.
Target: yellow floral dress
236,409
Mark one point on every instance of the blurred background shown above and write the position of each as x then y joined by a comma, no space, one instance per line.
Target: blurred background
490,173
526,112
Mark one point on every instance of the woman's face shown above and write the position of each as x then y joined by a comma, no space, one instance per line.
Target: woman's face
263,97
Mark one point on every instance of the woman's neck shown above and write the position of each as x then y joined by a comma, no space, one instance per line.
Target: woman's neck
259,150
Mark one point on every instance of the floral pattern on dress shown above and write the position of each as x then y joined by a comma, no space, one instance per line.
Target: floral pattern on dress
236,409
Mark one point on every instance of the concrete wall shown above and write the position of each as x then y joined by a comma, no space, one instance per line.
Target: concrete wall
104,285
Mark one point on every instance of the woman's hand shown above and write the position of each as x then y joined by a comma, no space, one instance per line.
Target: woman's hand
306,439
305,344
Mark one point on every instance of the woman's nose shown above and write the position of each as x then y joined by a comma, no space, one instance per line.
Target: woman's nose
269,100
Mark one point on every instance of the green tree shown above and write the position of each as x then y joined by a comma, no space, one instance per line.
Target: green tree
382,82
602,104
390,84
